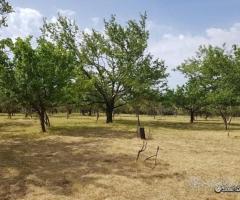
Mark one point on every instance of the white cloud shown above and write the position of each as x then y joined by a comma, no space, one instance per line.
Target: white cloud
87,30
95,20
166,42
53,19
67,12
174,48
22,22
27,21
155,28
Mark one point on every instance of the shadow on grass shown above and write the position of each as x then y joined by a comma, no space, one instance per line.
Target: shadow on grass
197,125
13,123
56,166
90,132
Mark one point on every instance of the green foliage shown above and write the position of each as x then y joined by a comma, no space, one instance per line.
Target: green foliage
40,73
8,100
217,74
190,96
114,62
5,8
36,76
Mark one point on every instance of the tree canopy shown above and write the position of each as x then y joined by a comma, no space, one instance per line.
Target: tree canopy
116,61
38,74
217,72
5,9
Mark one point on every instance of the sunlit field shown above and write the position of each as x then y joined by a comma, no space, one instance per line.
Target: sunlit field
80,158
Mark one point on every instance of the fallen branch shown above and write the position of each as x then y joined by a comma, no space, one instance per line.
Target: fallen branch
155,155
144,146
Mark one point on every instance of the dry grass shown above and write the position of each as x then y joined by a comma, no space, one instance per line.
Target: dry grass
81,159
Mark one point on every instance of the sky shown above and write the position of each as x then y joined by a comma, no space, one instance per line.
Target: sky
177,27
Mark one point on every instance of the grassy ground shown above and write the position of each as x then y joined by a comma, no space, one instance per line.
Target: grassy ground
81,159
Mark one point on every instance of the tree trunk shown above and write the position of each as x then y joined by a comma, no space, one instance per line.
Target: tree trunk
9,115
138,120
83,112
224,120
97,115
43,117
109,113
67,115
47,121
206,116
41,114
138,116
229,121
225,124
192,116
90,112
69,112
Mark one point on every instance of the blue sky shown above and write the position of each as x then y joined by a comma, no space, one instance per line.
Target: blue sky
177,27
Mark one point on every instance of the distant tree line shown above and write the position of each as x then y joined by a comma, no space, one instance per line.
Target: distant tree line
212,86
67,67
111,72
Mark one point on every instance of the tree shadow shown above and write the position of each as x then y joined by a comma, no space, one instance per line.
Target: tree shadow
197,125
5,126
57,165
89,132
